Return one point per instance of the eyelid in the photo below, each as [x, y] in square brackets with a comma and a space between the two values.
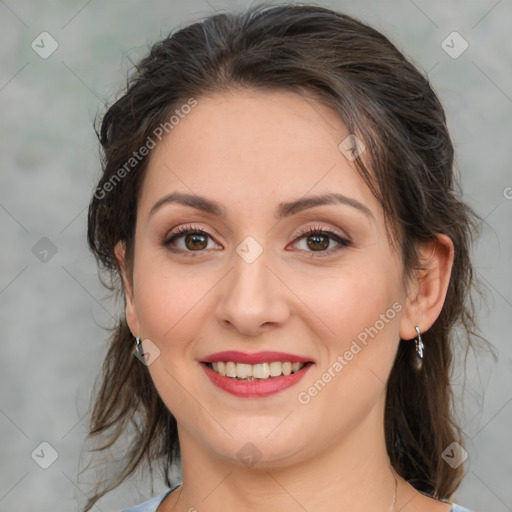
[318, 228]
[342, 240]
[182, 231]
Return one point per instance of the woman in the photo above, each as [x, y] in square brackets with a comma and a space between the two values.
[278, 206]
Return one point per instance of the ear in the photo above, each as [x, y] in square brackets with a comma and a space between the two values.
[427, 291]
[131, 311]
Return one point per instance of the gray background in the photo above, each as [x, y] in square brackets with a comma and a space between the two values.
[53, 313]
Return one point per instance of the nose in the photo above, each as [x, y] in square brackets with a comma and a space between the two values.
[252, 297]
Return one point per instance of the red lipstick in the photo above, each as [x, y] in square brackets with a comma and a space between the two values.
[257, 388]
[255, 358]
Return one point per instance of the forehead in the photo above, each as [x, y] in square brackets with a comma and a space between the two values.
[251, 146]
[249, 119]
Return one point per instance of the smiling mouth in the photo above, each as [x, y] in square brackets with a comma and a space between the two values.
[256, 372]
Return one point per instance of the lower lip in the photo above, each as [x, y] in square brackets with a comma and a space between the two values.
[255, 388]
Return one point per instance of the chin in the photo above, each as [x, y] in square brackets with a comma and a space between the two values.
[261, 448]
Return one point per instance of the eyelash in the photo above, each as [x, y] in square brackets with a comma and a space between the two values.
[316, 230]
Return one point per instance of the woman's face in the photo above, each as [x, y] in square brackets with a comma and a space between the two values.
[256, 281]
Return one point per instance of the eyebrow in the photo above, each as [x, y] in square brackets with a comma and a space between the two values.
[284, 209]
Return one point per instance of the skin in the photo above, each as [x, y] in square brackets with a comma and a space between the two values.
[249, 151]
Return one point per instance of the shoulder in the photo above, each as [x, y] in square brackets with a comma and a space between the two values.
[150, 505]
[458, 508]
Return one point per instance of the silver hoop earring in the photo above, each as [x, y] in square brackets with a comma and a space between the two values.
[418, 359]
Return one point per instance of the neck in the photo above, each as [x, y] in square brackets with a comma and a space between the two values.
[352, 474]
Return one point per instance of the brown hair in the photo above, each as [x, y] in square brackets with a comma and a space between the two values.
[381, 97]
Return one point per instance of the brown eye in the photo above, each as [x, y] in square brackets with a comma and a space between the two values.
[318, 242]
[196, 241]
[188, 241]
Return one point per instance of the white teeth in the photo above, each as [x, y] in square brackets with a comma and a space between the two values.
[230, 369]
[243, 370]
[275, 369]
[295, 367]
[260, 371]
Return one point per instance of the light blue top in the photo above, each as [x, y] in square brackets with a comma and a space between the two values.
[152, 504]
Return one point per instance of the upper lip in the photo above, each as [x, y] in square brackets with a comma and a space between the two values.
[254, 358]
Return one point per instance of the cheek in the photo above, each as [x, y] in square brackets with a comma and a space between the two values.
[351, 299]
[171, 306]
[168, 299]
[360, 306]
